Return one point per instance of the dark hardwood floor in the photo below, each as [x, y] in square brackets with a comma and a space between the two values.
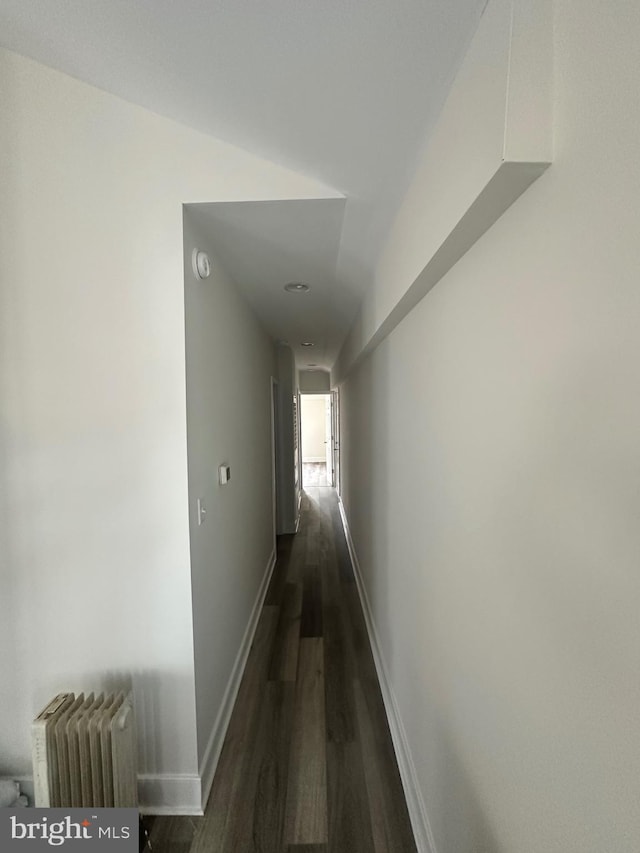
[307, 765]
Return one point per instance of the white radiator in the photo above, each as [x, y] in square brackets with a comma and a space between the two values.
[84, 752]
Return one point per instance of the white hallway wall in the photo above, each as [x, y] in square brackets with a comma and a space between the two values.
[229, 361]
[288, 476]
[94, 526]
[490, 476]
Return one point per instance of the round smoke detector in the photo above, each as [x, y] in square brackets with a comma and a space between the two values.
[201, 264]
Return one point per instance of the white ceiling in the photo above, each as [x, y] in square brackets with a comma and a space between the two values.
[266, 245]
[341, 90]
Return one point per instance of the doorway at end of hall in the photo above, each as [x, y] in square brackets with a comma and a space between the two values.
[317, 444]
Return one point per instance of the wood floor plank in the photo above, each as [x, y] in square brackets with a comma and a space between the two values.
[339, 700]
[284, 660]
[391, 828]
[330, 504]
[298, 555]
[224, 818]
[255, 670]
[358, 635]
[280, 571]
[331, 586]
[255, 817]
[259, 818]
[169, 834]
[307, 848]
[306, 808]
[312, 529]
[311, 619]
[348, 805]
[271, 767]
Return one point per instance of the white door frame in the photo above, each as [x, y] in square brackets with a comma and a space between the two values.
[328, 437]
[335, 438]
[274, 457]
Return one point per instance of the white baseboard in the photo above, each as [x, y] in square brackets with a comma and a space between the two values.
[219, 731]
[415, 803]
[158, 794]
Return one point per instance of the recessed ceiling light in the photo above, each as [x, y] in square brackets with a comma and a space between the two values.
[307, 344]
[296, 287]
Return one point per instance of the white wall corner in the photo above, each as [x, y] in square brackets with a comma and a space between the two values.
[219, 730]
[415, 802]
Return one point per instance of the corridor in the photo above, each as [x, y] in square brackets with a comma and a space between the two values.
[307, 763]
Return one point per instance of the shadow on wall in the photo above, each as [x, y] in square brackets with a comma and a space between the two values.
[147, 706]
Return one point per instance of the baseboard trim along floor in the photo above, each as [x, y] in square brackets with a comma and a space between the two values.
[159, 794]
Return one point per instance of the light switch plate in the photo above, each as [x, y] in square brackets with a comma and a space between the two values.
[224, 474]
[202, 511]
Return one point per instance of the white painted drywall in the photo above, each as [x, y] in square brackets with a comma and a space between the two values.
[313, 421]
[490, 470]
[95, 539]
[230, 361]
